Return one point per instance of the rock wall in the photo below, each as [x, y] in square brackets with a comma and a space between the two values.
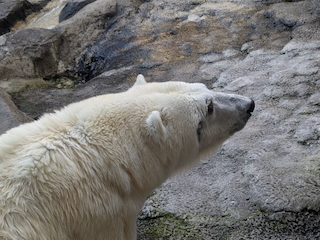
[264, 182]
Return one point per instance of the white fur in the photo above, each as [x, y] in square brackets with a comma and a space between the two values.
[140, 80]
[84, 172]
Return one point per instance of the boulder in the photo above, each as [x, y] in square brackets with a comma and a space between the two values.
[32, 53]
[90, 22]
[10, 116]
[29, 53]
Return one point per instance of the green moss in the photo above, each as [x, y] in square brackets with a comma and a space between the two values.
[183, 226]
[186, 226]
[169, 226]
[19, 85]
[34, 84]
[63, 80]
[62, 83]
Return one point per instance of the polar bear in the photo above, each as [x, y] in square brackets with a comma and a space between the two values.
[85, 171]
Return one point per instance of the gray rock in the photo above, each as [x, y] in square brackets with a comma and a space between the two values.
[265, 179]
[90, 22]
[10, 116]
[12, 11]
[72, 7]
[32, 53]
[29, 53]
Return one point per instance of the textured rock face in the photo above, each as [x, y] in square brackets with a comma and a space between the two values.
[265, 179]
[34, 53]
[12, 11]
[72, 8]
[264, 182]
[29, 53]
[10, 116]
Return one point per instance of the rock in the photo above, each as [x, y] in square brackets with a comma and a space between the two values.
[292, 15]
[47, 17]
[72, 7]
[10, 116]
[90, 22]
[265, 179]
[29, 53]
[12, 11]
[264, 182]
[32, 53]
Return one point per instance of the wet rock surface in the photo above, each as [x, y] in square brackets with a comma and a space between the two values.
[264, 183]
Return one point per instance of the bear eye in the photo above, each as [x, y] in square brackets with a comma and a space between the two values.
[210, 108]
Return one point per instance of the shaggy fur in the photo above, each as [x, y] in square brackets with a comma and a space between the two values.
[84, 172]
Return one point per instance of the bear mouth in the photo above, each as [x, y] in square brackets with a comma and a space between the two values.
[241, 123]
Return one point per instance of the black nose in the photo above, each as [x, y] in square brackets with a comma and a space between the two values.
[251, 108]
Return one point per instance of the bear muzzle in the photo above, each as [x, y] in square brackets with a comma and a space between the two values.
[245, 114]
[251, 107]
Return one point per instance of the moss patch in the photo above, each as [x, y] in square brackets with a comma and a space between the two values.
[169, 226]
[24, 85]
[63, 80]
[258, 225]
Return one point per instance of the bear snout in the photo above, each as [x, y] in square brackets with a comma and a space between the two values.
[245, 106]
[251, 107]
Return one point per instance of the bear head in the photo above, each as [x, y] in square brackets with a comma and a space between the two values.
[189, 119]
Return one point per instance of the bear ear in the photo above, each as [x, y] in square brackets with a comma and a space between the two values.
[140, 80]
[155, 126]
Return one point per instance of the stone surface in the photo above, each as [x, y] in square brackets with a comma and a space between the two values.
[10, 116]
[264, 183]
[12, 11]
[32, 53]
[72, 7]
[265, 179]
[90, 22]
[47, 17]
[29, 53]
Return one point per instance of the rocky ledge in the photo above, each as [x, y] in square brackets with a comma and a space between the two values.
[264, 183]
